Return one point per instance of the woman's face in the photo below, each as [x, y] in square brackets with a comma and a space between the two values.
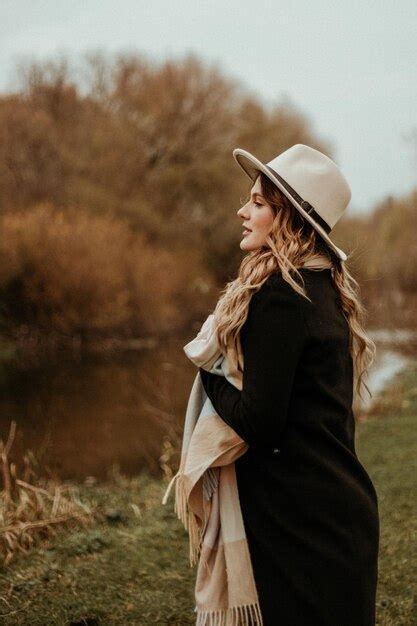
[257, 217]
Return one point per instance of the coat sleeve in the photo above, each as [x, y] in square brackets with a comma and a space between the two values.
[272, 342]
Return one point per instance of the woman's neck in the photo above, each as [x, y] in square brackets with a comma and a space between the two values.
[317, 261]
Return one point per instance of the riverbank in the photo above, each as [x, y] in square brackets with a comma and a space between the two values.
[132, 566]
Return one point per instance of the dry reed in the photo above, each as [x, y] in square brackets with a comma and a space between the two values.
[31, 507]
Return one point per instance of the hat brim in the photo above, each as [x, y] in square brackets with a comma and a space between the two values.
[252, 166]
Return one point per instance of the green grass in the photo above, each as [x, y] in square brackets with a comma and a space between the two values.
[387, 446]
[131, 569]
[125, 570]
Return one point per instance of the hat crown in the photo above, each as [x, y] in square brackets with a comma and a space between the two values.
[316, 178]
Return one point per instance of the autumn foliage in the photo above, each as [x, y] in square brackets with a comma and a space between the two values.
[118, 196]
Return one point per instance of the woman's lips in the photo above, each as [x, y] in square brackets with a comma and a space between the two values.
[246, 232]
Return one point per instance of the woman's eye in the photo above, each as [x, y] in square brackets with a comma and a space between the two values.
[257, 203]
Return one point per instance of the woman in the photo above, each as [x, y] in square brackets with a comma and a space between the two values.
[310, 509]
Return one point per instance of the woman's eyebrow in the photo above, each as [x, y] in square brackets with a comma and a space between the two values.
[257, 194]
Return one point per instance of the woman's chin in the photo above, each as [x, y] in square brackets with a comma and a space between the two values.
[244, 244]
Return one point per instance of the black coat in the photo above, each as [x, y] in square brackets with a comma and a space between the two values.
[309, 507]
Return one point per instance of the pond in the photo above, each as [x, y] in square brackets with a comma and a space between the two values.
[80, 418]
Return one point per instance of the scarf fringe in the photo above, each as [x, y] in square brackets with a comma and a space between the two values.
[210, 482]
[245, 615]
[189, 520]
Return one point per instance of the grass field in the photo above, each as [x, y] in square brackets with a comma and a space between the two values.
[132, 566]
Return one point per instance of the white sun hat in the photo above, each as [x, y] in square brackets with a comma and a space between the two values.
[310, 180]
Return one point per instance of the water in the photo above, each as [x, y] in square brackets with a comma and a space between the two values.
[82, 417]
[395, 346]
[387, 364]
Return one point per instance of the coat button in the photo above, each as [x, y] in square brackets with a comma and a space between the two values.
[276, 450]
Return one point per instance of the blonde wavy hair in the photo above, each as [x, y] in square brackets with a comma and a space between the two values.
[291, 241]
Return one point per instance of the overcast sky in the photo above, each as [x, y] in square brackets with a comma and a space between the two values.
[350, 67]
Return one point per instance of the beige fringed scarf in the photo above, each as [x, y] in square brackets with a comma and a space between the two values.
[206, 493]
